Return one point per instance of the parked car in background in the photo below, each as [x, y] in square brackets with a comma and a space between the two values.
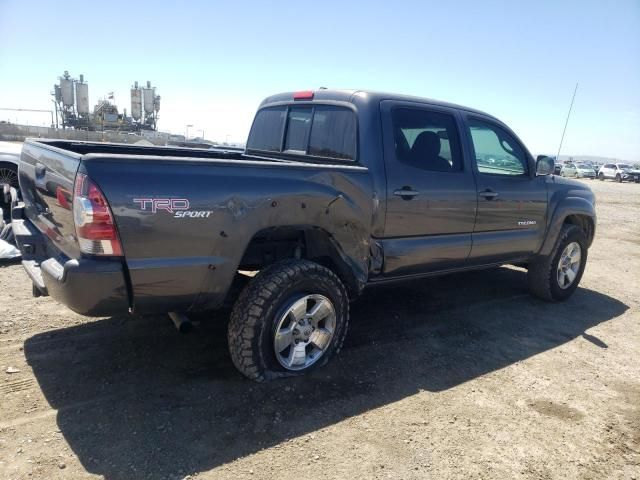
[568, 170]
[9, 158]
[557, 168]
[620, 172]
[578, 170]
[584, 170]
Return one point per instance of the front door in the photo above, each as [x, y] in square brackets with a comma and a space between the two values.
[431, 192]
[512, 200]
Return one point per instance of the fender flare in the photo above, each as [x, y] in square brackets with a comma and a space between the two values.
[567, 207]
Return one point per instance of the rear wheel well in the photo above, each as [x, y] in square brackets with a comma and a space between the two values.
[584, 222]
[311, 243]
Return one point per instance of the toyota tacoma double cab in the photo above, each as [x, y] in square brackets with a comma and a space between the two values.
[336, 191]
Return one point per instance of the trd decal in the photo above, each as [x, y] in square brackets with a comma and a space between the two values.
[179, 207]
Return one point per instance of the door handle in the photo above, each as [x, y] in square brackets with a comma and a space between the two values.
[488, 194]
[406, 193]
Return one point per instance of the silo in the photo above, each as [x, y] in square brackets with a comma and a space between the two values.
[136, 102]
[149, 94]
[157, 103]
[82, 97]
[66, 89]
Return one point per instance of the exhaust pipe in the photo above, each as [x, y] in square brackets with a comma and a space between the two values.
[180, 320]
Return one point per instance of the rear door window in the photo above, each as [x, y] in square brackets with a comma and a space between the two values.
[321, 131]
[427, 139]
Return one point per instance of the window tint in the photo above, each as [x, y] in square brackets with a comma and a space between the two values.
[266, 132]
[333, 133]
[315, 130]
[298, 125]
[496, 152]
[427, 140]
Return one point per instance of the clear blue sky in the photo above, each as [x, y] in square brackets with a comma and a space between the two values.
[214, 61]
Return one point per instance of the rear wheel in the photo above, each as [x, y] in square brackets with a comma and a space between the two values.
[601, 176]
[557, 276]
[291, 318]
[618, 178]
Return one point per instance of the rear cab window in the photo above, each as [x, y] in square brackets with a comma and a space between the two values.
[316, 132]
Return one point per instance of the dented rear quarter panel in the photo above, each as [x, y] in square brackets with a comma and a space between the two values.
[189, 263]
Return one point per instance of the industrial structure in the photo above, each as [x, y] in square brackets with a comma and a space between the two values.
[72, 108]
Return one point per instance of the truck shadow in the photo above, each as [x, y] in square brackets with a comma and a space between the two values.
[137, 400]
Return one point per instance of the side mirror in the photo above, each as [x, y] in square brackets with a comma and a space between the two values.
[544, 165]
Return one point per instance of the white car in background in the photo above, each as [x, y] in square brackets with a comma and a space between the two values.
[619, 172]
[9, 159]
[578, 170]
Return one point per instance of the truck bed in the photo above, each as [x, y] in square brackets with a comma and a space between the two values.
[85, 148]
[184, 217]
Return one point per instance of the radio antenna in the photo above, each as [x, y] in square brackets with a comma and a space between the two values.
[566, 122]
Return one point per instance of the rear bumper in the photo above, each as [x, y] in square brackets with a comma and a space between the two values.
[92, 287]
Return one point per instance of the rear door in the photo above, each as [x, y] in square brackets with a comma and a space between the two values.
[609, 170]
[512, 200]
[431, 192]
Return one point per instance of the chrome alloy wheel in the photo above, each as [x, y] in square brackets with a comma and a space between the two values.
[569, 265]
[304, 331]
[8, 177]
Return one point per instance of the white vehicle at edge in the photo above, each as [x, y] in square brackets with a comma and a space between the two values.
[619, 172]
[9, 158]
[578, 170]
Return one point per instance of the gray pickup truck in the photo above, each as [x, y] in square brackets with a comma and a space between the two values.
[336, 191]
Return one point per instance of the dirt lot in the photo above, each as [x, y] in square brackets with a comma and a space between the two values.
[464, 376]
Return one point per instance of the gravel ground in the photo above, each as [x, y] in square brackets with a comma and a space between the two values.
[464, 376]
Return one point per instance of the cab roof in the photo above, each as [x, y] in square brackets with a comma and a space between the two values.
[365, 96]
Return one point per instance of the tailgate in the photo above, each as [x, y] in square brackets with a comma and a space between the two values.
[46, 176]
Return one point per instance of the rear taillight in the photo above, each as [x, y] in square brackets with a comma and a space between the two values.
[96, 231]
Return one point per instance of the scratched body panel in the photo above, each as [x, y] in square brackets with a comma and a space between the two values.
[174, 259]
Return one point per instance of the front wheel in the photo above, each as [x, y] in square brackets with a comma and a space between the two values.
[618, 178]
[601, 177]
[291, 318]
[556, 277]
